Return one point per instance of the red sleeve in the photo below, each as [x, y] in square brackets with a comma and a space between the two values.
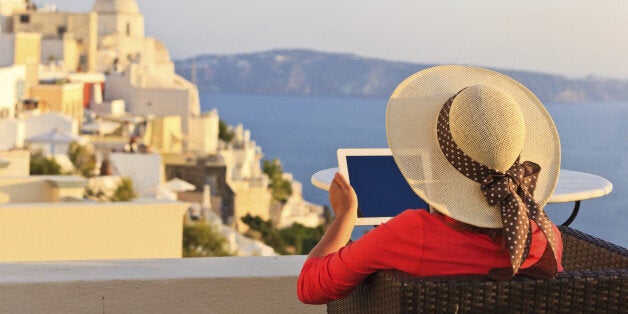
[397, 244]
[539, 243]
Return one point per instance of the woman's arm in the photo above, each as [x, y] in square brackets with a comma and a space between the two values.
[333, 268]
[345, 205]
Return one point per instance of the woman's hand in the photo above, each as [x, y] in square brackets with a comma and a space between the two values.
[345, 204]
[342, 196]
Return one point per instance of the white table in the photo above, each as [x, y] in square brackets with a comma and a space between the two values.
[573, 186]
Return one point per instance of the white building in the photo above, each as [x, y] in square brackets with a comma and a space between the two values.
[204, 136]
[140, 69]
[109, 39]
[243, 156]
[298, 210]
[13, 134]
[12, 89]
[22, 49]
[120, 33]
[7, 8]
[145, 170]
[47, 122]
[146, 92]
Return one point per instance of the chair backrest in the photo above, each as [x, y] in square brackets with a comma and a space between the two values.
[595, 280]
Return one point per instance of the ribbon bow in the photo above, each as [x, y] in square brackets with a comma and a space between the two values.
[513, 191]
[519, 180]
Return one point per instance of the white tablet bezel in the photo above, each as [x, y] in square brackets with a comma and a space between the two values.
[342, 154]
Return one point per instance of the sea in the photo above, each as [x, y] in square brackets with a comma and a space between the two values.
[304, 132]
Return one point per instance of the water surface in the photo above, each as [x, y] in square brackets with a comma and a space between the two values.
[304, 132]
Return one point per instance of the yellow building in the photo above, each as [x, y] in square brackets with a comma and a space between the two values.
[251, 198]
[68, 29]
[65, 50]
[18, 163]
[42, 189]
[65, 98]
[44, 218]
[204, 138]
[22, 49]
[164, 135]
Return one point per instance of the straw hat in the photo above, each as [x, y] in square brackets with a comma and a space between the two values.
[493, 120]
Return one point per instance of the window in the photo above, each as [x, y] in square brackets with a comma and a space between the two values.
[128, 29]
[25, 18]
[30, 104]
[61, 30]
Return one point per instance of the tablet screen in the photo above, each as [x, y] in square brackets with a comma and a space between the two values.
[380, 187]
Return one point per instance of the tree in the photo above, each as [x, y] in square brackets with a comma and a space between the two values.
[201, 240]
[224, 132]
[281, 189]
[42, 165]
[83, 159]
[269, 234]
[125, 191]
[296, 239]
[302, 238]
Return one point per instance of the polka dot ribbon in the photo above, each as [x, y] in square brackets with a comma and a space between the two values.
[513, 191]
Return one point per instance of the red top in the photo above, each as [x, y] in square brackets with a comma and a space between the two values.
[415, 242]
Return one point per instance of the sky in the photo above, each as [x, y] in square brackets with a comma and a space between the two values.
[575, 38]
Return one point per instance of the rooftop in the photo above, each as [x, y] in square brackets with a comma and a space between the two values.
[115, 6]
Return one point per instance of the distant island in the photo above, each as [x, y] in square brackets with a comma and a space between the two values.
[308, 72]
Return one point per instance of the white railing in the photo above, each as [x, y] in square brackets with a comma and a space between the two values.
[198, 285]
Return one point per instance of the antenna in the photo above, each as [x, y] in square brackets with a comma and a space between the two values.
[193, 72]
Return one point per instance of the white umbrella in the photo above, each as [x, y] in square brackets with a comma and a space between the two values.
[100, 127]
[56, 136]
[178, 185]
[162, 193]
[132, 119]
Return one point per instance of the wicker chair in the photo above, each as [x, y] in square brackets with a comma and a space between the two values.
[595, 280]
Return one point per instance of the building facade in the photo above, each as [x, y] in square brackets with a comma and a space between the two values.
[66, 98]
[75, 31]
[22, 49]
[12, 89]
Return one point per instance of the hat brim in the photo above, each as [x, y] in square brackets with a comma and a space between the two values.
[411, 118]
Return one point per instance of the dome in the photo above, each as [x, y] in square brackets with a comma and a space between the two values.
[115, 6]
[161, 51]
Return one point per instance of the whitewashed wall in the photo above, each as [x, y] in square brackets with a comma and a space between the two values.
[146, 170]
[12, 134]
[10, 78]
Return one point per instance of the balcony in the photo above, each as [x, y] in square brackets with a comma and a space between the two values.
[214, 285]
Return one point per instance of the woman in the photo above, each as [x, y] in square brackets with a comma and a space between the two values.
[482, 150]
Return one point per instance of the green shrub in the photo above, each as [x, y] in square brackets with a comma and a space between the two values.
[83, 159]
[125, 191]
[201, 240]
[42, 165]
[302, 238]
[224, 133]
[280, 188]
[296, 239]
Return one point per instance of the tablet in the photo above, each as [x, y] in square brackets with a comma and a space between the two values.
[381, 189]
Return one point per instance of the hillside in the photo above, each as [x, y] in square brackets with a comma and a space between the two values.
[307, 72]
